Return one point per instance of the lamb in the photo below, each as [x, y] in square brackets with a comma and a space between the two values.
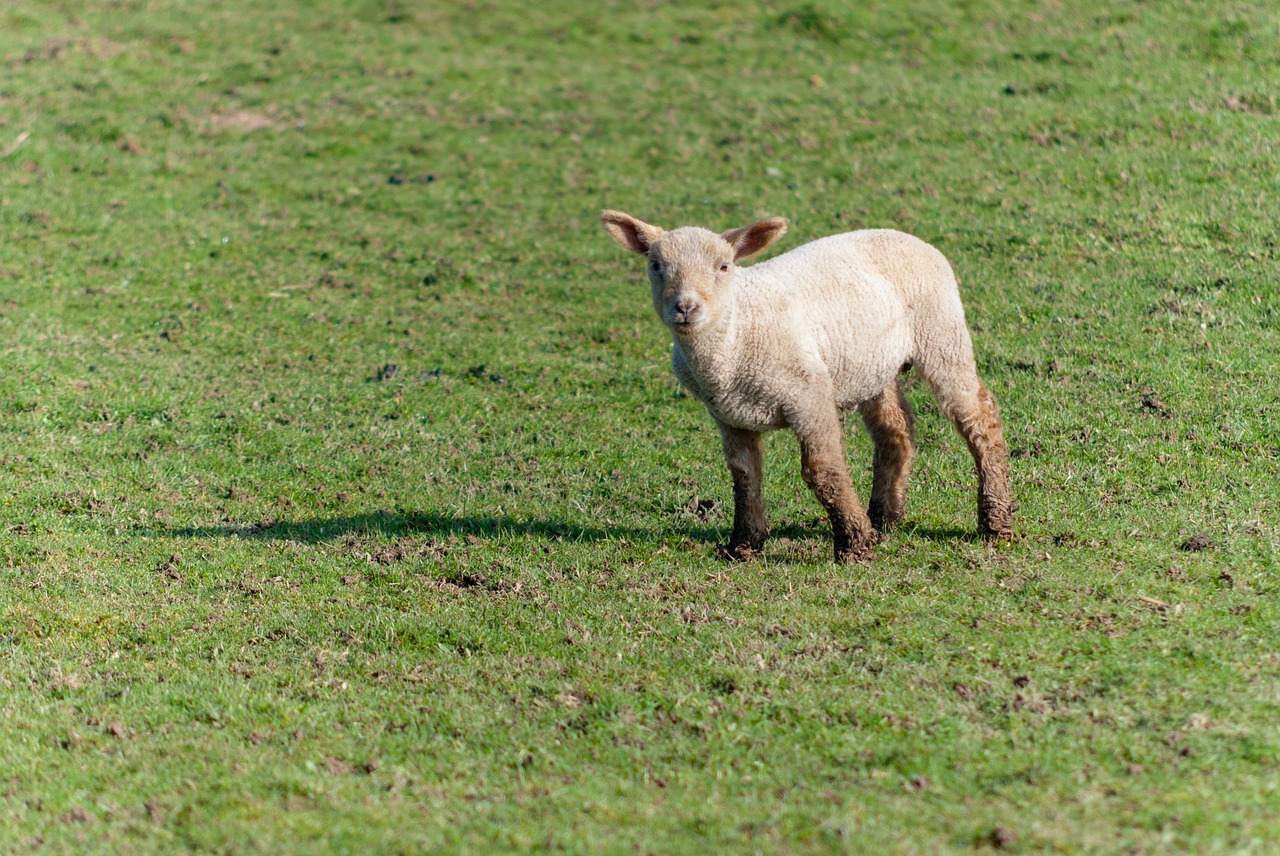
[789, 342]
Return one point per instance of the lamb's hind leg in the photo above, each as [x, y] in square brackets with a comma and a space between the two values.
[826, 473]
[892, 428]
[744, 454]
[972, 409]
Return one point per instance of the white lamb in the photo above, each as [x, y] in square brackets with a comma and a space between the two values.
[789, 342]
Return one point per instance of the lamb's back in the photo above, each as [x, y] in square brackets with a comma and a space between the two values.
[846, 302]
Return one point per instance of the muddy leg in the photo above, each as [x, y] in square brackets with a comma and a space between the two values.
[826, 473]
[744, 453]
[892, 427]
[978, 419]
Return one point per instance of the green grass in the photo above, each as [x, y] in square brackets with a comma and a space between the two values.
[264, 592]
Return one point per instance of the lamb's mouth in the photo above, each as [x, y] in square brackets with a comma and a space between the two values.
[684, 328]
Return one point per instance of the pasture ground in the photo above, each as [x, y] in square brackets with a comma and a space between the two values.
[348, 504]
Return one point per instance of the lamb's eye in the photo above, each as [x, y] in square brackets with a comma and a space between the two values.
[724, 268]
[655, 267]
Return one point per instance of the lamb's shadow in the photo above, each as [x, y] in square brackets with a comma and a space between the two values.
[389, 524]
[396, 525]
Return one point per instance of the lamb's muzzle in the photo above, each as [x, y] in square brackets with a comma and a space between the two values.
[685, 314]
[792, 341]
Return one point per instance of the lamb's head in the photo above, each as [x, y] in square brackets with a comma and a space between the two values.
[691, 269]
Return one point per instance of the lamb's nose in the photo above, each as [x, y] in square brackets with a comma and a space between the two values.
[685, 307]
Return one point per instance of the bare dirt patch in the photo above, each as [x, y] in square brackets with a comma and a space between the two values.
[240, 120]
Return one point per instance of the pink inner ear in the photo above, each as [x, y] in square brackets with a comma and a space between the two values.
[749, 240]
[629, 232]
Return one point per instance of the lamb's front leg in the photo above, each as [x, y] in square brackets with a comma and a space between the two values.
[826, 473]
[744, 453]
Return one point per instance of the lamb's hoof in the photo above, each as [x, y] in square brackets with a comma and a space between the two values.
[858, 551]
[994, 529]
[739, 552]
[995, 521]
[883, 522]
[997, 536]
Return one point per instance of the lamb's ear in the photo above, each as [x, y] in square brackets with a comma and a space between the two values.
[750, 240]
[629, 232]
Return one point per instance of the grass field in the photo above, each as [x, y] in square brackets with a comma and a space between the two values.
[348, 503]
